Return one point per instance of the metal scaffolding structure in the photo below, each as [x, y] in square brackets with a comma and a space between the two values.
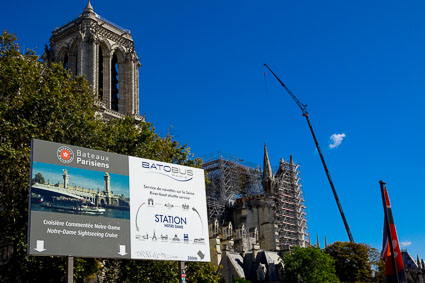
[230, 178]
[290, 208]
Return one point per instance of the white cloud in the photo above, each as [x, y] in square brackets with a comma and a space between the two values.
[336, 140]
[405, 244]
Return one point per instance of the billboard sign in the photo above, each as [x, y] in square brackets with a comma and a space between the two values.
[90, 203]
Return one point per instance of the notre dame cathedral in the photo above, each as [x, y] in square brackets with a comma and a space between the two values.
[104, 53]
[254, 214]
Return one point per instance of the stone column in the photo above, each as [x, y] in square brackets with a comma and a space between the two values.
[136, 88]
[107, 80]
[108, 187]
[131, 86]
[79, 59]
[89, 63]
[121, 85]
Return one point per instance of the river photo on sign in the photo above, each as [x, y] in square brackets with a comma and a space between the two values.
[61, 189]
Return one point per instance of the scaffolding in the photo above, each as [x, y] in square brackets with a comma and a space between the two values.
[229, 178]
[290, 208]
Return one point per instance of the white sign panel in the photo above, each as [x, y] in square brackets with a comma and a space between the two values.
[168, 213]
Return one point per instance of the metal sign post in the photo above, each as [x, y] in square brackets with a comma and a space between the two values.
[70, 273]
[182, 274]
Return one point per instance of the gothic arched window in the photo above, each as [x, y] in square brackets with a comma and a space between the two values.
[65, 62]
[73, 58]
[114, 83]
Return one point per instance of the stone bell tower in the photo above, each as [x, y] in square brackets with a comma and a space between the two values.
[104, 53]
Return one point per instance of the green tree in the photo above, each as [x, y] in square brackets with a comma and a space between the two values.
[353, 262]
[39, 178]
[308, 265]
[35, 101]
[47, 102]
[202, 272]
[140, 271]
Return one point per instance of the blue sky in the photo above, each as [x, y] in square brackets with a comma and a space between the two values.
[359, 65]
[88, 179]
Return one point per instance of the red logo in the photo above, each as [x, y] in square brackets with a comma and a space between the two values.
[65, 154]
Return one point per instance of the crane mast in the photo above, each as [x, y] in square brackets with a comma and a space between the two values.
[303, 108]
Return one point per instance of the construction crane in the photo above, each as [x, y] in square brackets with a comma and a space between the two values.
[303, 108]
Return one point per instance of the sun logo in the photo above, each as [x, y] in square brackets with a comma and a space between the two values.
[65, 154]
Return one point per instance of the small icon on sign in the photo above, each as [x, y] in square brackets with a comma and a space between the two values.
[40, 246]
[164, 238]
[150, 201]
[65, 154]
[199, 240]
[201, 255]
[176, 239]
[122, 250]
[186, 238]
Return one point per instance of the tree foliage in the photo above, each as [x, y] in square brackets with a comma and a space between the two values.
[309, 265]
[204, 272]
[47, 102]
[39, 178]
[140, 271]
[353, 262]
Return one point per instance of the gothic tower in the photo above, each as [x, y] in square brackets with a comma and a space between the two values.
[104, 53]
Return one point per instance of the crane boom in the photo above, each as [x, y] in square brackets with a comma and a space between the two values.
[303, 108]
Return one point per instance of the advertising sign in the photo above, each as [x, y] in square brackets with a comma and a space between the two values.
[90, 203]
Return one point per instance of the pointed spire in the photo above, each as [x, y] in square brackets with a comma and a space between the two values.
[267, 169]
[326, 243]
[268, 178]
[318, 243]
[88, 8]
[418, 261]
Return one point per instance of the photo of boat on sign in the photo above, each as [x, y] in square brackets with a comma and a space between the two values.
[55, 188]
